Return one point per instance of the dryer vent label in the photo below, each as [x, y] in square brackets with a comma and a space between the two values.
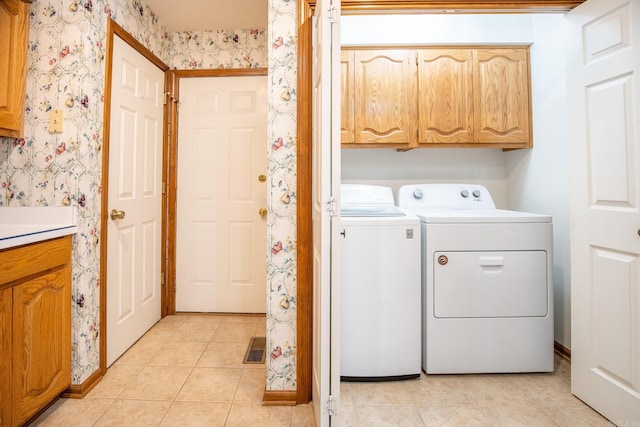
[409, 233]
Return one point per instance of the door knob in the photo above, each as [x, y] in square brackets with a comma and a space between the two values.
[262, 178]
[116, 214]
[262, 212]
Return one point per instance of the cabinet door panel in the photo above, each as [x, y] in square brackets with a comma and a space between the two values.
[445, 88]
[41, 341]
[5, 356]
[385, 96]
[347, 82]
[14, 31]
[501, 86]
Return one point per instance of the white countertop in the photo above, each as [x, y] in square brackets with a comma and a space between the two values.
[24, 225]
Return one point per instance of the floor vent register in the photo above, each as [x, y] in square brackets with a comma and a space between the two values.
[255, 350]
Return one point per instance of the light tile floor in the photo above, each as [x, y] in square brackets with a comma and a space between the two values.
[187, 371]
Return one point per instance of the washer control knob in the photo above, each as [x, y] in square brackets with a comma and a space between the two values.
[464, 193]
[476, 193]
[418, 194]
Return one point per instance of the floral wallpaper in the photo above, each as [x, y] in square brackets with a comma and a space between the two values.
[281, 219]
[217, 49]
[66, 71]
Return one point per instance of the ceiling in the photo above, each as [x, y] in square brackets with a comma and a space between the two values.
[197, 15]
[211, 15]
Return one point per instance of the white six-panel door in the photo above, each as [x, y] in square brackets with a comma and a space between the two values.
[604, 109]
[135, 188]
[221, 234]
[325, 212]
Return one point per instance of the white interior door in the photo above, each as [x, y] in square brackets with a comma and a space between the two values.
[135, 188]
[221, 234]
[604, 106]
[325, 211]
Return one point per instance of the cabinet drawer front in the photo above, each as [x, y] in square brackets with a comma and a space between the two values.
[24, 261]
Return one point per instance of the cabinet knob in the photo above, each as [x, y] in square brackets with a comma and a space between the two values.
[262, 212]
[262, 178]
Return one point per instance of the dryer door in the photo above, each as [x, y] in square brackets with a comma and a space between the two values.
[490, 284]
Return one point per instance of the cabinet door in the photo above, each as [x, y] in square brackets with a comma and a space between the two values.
[41, 341]
[5, 356]
[385, 96]
[347, 82]
[445, 96]
[502, 96]
[14, 31]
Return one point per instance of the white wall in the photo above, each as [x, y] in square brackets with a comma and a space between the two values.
[530, 180]
[386, 166]
[538, 179]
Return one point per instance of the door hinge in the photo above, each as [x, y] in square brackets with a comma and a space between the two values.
[333, 15]
[162, 278]
[332, 207]
[332, 407]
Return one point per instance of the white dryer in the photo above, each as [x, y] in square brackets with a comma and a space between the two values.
[487, 282]
[380, 324]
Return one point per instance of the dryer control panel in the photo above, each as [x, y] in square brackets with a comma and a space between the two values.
[445, 196]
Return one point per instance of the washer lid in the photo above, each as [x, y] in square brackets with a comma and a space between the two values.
[376, 211]
[451, 216]
[352, 195]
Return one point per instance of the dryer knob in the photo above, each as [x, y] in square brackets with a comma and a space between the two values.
[418, 194]
[464, 193]
[476, 193]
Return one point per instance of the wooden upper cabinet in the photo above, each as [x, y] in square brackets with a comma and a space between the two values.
[384, 97]
[436, 96]
[347, 82]
[502, 97]
[445, 96]
[14, 31]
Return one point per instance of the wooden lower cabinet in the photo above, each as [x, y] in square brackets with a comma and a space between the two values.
[6, 304]
[35, 318]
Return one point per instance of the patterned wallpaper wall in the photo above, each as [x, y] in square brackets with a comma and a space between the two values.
[66, 71]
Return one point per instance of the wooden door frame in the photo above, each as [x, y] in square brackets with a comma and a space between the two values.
[304, 332]
[172, 164]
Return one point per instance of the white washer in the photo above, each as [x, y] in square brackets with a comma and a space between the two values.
[487, 282]
[380, 324]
